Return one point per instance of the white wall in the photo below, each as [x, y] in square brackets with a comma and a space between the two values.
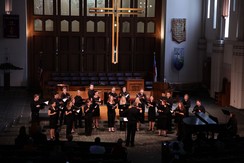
[15, 49]
[191, 10]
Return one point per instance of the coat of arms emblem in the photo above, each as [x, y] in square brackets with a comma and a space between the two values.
[179, 30]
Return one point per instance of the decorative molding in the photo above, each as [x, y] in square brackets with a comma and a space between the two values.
[218, 46]
[238, 49]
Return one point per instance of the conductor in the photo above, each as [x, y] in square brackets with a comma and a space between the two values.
[132, 116]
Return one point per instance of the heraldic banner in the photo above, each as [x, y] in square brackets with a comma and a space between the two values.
[178, 58]
[178, 29]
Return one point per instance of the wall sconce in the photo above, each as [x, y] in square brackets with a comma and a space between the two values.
[8, 6]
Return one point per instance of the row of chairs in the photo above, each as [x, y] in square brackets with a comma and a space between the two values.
[103, 79]
[93, 78]
[148, 84]
[86, 83]
[99, 74]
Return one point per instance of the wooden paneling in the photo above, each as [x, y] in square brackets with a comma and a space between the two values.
[150, 44]
[88, 62]
[126, 59]
[159, 88]
[63, 62]
[91, 51]
[64, 43]
[100, 44]
[75, 44]
[90, 44]
[100, 60]
[138, 62]
[125, 44]
[140, 45]
[74, 62]
[135, 84]
[44, 49]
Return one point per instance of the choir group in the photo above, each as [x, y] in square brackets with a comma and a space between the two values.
[69, 110]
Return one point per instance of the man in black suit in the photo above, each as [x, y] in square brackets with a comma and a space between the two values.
[132, 116]
[198, 108]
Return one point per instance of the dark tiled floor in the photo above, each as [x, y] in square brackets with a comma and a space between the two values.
[15, 110]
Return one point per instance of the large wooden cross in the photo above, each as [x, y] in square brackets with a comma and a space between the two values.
[116, 11]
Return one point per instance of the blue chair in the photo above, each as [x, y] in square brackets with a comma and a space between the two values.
[110, 74]
[113, 83]
[119, 74]
[101, 74]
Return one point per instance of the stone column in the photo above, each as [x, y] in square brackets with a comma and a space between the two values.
[217, 67]
[202, 47]
[237, 76]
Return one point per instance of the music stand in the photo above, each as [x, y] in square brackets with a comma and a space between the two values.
[125, 120]
[226, 113]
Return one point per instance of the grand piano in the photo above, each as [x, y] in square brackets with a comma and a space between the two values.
[202, 122]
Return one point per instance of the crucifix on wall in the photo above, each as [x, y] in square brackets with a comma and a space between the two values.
[115, 11]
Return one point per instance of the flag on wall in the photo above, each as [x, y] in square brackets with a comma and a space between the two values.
[155, 73]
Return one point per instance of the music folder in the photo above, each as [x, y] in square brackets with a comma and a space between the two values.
[65, 99]
[46, 102]
[125, 119]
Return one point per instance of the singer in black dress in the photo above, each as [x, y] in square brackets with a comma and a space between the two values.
[88, 110]
[96, 102]
[52, 113]
[143, 98]
[58, 105]
[169, 102]
[180, 113]
[111, 105]
[69, 118]
[138, 106]
[163, 115]
[151, 113]
[123, 106]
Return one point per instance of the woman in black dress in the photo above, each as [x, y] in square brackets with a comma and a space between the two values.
[111, 105]
[96, 106]
[139, 106]
[88, 110]
[180, 113]
[69, 118]
[123, 106]
[163, 114]
[52, 119]
[151, 113]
